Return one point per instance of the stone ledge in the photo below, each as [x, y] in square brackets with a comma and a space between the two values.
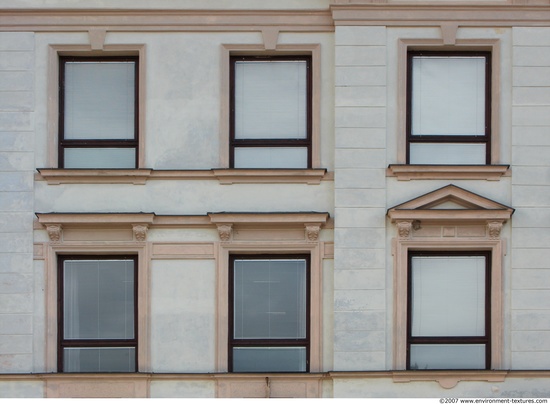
[57, 176]
[407, 172]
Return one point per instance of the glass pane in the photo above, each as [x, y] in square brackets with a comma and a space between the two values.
[271, 359]
[270, 157]
[119, 359]
[463, 356]
[100, 158]
[270, 299]
[447, 153]
[448, 296]
[98, 299]
[270, 99]
[448, 95]
[99, 100]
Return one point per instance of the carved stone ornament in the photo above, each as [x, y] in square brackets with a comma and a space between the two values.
[140, 231]
[494, 229]
[312, 232]
[404, 230]
[225, 231]
[54, 232]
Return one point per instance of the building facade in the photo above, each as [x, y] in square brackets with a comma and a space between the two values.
[312, 198]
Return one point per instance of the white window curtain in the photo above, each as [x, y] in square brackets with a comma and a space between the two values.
[99, 100]
[270, 299]
[270, 99]
[448, 296]
[98, 299]
[448, 95]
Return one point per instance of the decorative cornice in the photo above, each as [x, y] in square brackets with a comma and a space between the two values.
[83, 219]
[469, 207]
[163, 20]
[479, 14]
[311, 222]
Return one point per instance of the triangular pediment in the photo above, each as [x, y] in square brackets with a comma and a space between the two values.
[450, 202]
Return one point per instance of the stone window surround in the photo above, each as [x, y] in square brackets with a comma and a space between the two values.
[240, 233]
[224, 175]
[448, 42]
[421, 226]
[96, 48]
[271, 48]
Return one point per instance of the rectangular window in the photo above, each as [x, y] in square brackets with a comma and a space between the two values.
[449, 108]
[270, 112]
[448, 310]
[98, 112]
[269, 313]
[97, 314]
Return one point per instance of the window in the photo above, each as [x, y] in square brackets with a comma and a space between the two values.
[98, 112]
[270, 112]
[448, 310]
[269, 313]
[97, 318]
[449, 108]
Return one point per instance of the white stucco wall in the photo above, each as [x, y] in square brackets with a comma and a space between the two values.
[16, 201]
[530, 278]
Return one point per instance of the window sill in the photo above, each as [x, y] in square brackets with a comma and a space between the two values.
[406, 172]
[57, 176]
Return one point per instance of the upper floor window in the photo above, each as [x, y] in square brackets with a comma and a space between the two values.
[448, 108]
[97, 314]
[449, 310]
[270, 112]
[269, 313]
[98, 112]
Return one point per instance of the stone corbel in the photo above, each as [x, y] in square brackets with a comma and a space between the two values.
[493, 229]
[140, 231]
[225, 231]
[312, 231]
[55, 232]
[404, 229]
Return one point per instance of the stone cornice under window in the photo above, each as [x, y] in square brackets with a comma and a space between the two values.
[407, 172]
[56, 176]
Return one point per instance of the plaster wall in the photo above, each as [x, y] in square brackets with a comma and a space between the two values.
[183, 316]
[183, 73]
[381, 387]
[360, 199]
[530, 278]
[16, 201]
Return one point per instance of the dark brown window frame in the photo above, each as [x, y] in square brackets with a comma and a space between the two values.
[96, 143]
[95, 343]
[299, 342]
[486, 339]
[274, 142]
[486, 139]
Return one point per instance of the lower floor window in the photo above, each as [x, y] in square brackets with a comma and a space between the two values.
[269, 313]
[97, 314]
[449, 310]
